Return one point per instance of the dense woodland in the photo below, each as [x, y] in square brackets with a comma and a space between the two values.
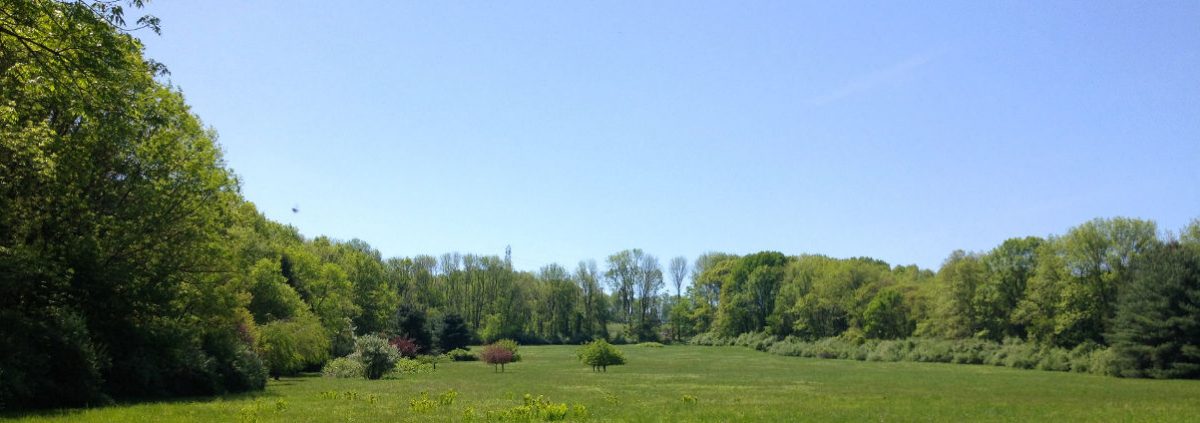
[131, 266]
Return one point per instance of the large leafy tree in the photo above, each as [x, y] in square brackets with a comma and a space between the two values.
[887, 316]
[289, 345]
[748, 293]
[592, 300]
[113, 202]
[957, 310]
[1072, 297]
[1009, 268]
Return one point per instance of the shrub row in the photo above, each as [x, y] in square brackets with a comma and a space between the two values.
[1015, 353]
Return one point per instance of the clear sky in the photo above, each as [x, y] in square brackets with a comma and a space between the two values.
[572, 130]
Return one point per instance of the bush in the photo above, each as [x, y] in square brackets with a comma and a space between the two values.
[376, 355]
[510, 345]
[761, 341]
[1104, 362]
[290, 345]
[344, 367]
[405, 346]
[246, 371]
[1013, 353]
[888, 351]
[710, 339]
[43, 354]
[1056, 359]
[600, 354]
[650, 345]
[460, 354]
[1081, 356]
[408, 366]
[496, 355]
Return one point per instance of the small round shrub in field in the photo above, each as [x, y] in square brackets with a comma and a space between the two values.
[376, 355]
[650, 345]
[497, 355]
[600, 354]
[459, 354]
[510, 345]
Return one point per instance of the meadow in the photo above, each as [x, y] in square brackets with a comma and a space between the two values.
[689, 383]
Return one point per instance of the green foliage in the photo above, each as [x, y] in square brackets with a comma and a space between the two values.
[511, 346]
[454, 333]
[288, 346]
[957, 309]
[650, 344]
[44, 355]
[499, 353]
[1157, 329]
[270, 296]
[1012, 353]
[461, 354]
[497, 328]
[344, 367]
[373, 292]
[635, 279]
[113, 208]
[342, 343]
[376, 355]
[410, 324]
[599, 354]
[431, 360]
[1097, 256]
[748, 293]
[247, 371]
[423, 404]
[886, 317]
[1009, 268]
[408, 367]
[537, 409]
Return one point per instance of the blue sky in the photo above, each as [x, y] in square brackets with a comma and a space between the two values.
[572, 130]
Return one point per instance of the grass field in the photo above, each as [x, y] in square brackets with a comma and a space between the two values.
[728, 384]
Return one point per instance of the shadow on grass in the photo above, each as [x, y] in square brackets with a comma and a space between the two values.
[134, 402]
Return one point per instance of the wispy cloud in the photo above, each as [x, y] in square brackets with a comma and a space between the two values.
[874, 79]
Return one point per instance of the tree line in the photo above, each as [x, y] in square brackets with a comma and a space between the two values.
[132, 267]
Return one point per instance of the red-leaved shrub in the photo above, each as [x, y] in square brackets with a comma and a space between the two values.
[406, 346]
[496, 355]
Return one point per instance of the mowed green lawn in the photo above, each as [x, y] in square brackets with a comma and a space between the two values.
[729, 384]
